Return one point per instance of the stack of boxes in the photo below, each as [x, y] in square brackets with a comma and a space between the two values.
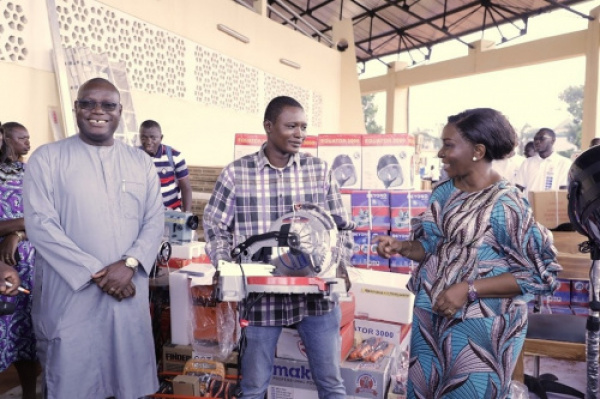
[377, 213]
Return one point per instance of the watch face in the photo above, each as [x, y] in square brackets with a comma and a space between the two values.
[131, 262]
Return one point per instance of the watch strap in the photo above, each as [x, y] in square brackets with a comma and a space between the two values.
[472, 294]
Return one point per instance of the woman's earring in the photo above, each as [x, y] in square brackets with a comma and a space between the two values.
[474, 159]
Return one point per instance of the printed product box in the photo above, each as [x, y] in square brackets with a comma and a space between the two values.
[247, 143]
[343, 154]
[370, 210]
[388, 161]
[382, 296]
[397, 333]
[347, 202]
[406, 205]
[580, 293]
[310, 146]
[562, 295]
[400, 264]
[549, 207]
[290, 345]
[175, 356]
[365, 251]
[292, 379]
[366, 379]
[193, 251]
[188, 385]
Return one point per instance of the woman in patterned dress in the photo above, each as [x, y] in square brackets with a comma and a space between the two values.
[481, 257]
[17, 340]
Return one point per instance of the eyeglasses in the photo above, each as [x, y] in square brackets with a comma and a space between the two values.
[91, 105]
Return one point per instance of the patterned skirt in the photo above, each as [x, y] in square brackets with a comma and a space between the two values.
[465, 359]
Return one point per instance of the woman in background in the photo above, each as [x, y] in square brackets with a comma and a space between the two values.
[481, 257]
[17, 339]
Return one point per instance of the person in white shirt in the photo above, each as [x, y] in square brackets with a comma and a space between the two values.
[546, 170]
[509, 166]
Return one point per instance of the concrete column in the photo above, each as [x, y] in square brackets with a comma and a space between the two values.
[260, 6]
[590, 126]
[396, 100]
[352, 118]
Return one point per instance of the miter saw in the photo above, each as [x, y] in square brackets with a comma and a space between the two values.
[297, 256]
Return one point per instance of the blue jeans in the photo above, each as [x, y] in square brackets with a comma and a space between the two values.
[321, 337]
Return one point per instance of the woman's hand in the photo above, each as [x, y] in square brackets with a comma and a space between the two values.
[8, 249]
[451, 299]
[10, 274]
[388, 246]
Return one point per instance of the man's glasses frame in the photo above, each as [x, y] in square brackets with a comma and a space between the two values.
[91, 105]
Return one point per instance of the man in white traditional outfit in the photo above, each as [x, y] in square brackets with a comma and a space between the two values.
[94, 212]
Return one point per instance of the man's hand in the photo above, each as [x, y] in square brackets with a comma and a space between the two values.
[115, 280]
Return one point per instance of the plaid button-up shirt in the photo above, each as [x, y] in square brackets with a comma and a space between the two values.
[249, 195]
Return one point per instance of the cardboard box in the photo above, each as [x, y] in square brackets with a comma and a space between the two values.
[290, 345]
[366, 379]
[247, 143]
[567, 242]
[310, 146]
[406, 205]
[291, 379]
[175, 356]
[397, 333]
[562, 295]
[370, 210]
[400, 264]
[364, 253]
[343, 154]
[347, 308]
[388, 161]
[550, 208]
[580, 293]
[382, 296]
[188, 385]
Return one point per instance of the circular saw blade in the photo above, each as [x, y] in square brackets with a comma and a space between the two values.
[313, 236]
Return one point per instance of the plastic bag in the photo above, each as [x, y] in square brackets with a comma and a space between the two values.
[214, 328]
[518, 390]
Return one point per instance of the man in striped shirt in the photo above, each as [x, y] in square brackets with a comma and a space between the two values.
[172, 171]
[250, 194]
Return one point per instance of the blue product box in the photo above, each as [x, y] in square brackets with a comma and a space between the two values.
[365, 251]
[406, 205]
[580, 293]
[562, 295]
[370, 210]
[400, 264]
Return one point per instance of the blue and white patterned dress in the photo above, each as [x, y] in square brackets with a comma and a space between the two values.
[475, 236]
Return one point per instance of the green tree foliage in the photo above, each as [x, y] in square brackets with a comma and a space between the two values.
[369, 112]
[573, 97]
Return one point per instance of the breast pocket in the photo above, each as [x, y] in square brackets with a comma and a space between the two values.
[132, 199]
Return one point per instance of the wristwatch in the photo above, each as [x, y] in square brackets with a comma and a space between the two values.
[131, 263]
[19, 234]
[472, 294]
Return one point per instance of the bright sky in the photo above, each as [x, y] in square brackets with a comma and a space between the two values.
[525, 95]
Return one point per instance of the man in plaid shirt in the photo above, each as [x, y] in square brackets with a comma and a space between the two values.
[250, 194]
